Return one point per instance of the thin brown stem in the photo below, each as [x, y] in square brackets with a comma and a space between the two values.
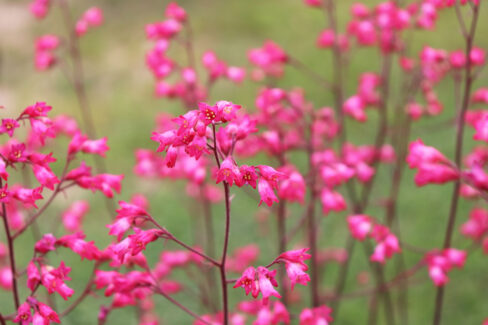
[300, 66]
[225, 301]
[468, 81]
[83, 295]
[179, 305]
[11, 253]
[281, 229]
[191, 249]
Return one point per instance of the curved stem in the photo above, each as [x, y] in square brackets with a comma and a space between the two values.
[179, 305]
[191, 249]
[85, 293]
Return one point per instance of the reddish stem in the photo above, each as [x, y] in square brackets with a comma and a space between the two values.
[224, 254]
[468, 79]
[10, 244]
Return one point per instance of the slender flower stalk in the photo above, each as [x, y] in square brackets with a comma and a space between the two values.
[281, 230]
[468, 83]
[11, 253]
[78, 83]
[225, 299]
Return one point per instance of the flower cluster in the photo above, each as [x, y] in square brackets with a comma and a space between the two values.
[432, 166]
[91, 18]
[441, 263]
[476, 227]
[262, 280]
[188, 88]
[362, 226]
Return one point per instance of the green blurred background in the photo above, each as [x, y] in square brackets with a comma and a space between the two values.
[120, 89]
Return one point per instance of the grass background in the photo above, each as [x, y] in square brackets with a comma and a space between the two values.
[121, 94]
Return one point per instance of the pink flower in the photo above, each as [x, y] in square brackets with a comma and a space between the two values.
[229, 172]
[77, 244]
[98, 147]
[227, 110]
[36, 110]
[313, 3]
[33, 276]
[45, 176]
[296, 274]
[45, 244]
[336, 174]
[209, 114]
[27, 196]
[248, 175]
[441, 263]
[248, 282]
[480, 96]
[316, 316]
[73, 216]
[420, 153]
[24, 316]
[360, 226]
[141, 238]
[332, 201]
[293, 187]
[354, 107]
[48, 314]
[236, 74]
[359, 10]
[481, 127]
[415, 110]
[174, 11]
[266, 192]
[326, 39]
[39, 8]
[271, 175]
[270, 58]
[47, 43]
[477, 56]
[6, 278]
[93, 17]
[387, 244]
[435, 174]
[8, 126]
[266, 283]
[477, 225]
[53, 280]
[457, 59]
